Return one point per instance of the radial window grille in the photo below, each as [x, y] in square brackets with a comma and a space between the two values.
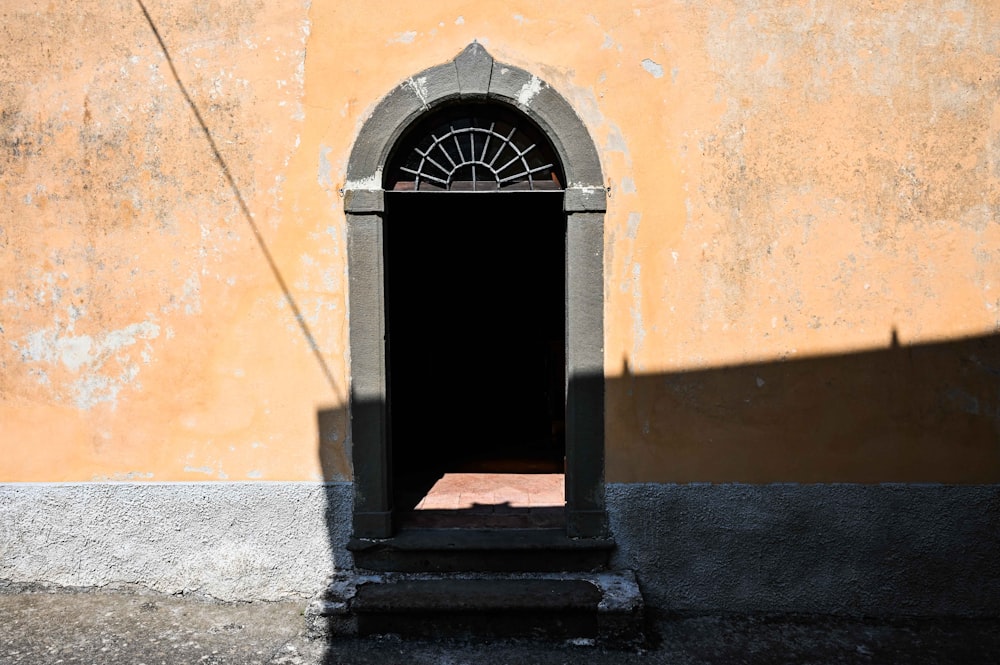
[476, 153]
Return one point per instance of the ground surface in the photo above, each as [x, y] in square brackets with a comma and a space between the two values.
[44, 626]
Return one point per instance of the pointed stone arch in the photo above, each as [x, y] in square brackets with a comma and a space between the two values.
[473, 76]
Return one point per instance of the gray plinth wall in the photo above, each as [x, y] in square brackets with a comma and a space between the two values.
[877, 550]
[226, 540]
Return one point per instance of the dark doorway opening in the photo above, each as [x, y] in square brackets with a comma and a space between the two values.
[475, 336]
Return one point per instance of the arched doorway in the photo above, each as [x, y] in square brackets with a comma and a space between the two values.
[474, 237]
[476, 288]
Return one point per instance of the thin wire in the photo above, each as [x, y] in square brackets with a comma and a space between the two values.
[293, 305]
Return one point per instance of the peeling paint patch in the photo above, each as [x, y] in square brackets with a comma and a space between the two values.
[460, 20]
[192, 295]
[86, 357]
[638, 327]
[403, 37]
[653, 68]
[529, 90]
[615, 141]
[199, 469]
[48, 346]
[419, 86]
[369, 184]
[123, 477]
[323, 175]
[633, 225]
[91, 390]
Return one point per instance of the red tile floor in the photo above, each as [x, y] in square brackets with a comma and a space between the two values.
[492, 500]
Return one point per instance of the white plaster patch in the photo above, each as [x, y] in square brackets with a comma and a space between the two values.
[633, 225]
[419, 86]
[628, 185]
[638, 327]
[192, 295]
[654, 68]
[615, 141]
[87, 358]
[460, 20]
[73, 351]
[331, 280]
[323, 175]
[124, 477]
[403, 37]
[93, 389]
[371, 183]
[529, 90]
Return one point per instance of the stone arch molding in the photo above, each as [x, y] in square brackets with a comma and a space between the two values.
[474, 76]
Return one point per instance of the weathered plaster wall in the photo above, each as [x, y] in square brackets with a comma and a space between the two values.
[144, 333]
[810, 180]
[801, 273]
[786, 179]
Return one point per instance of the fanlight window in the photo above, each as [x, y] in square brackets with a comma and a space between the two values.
[475, 149]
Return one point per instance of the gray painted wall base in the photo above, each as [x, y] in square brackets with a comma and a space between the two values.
[232, 541]
[876, 550]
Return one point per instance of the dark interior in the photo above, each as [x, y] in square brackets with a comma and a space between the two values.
[475, 317]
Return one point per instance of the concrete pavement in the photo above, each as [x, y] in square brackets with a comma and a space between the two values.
[130, 627]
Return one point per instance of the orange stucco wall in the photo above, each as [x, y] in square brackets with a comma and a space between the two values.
[788, 180]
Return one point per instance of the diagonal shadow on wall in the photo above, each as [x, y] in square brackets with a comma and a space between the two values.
[241, 201]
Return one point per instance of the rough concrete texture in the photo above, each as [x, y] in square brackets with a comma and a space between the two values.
[885, 550]
[231, 541]
[128, 629]
[833, 549]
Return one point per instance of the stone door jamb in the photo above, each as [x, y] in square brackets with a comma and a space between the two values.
[473, 76]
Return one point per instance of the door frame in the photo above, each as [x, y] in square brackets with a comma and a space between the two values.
[474, 76]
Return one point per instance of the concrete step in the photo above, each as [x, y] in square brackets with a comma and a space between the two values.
[604, 607]
[497, 550]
